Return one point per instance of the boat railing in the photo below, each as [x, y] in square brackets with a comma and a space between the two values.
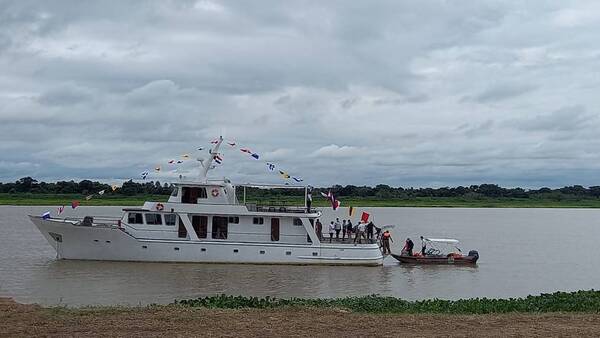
[96, 221]
[267, 207]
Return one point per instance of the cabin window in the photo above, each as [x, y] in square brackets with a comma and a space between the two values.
[170, 219]
[219, 227]
[153, 219]
[258, 220]
[200, 225]
[135, 218]
[181, 231]
[234, 220]
[274, 229]
[175, 192]
[298, 221]
[192, 194]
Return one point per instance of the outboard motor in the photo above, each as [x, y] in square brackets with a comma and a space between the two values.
[474, 253]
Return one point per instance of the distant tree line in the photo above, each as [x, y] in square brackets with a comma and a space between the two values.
[85, 187]
[129, 188]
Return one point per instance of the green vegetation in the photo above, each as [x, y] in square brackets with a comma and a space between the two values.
[28, 191]
[580, 301]
[447, 202]
[66, 199]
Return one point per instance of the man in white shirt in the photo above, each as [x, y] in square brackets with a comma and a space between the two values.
[360, 232]
[338, 228]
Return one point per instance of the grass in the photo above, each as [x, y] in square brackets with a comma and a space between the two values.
[579, 301]
[447, 202]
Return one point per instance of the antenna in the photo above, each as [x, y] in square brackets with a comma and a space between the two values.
[206, 164]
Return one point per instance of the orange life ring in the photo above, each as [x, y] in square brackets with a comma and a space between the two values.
[214, 192]
[160, 207]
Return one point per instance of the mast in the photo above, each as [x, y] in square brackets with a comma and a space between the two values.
[206, 165]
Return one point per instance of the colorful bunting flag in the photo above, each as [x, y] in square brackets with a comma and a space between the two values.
[284, 174]
[297, 179]
[157, 168]
[179, 162]
[244, 150]
[74, 204]
[101, 192]
[231, 144]
[255, 155]
[144, 175]
[61, 209]
[46, 215]
[171, 161]
[88, 197]
[271, 166]
[114, 187]
[185, 156]
[218, 159]
[201, 148]
[214, 142]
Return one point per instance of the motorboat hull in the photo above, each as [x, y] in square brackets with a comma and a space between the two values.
[73, 241]
[450, 259]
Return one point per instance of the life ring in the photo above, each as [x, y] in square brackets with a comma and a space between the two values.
[160, 207]
[214, 192]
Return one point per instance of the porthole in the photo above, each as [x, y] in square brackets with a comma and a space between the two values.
[95, 240]
[144, 247]
[107, 241]
[262, 252]
[203, 249]
[176, 248]
[236, 250]
[315, 253]
[288, 253]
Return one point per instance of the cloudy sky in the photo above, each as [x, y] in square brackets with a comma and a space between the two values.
[406, 93]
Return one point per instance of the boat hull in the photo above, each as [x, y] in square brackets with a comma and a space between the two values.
[463, 260]
[72, 241]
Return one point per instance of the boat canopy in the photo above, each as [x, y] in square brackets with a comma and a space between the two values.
[442, 240]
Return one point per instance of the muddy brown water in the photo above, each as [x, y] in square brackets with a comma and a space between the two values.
[523, 251]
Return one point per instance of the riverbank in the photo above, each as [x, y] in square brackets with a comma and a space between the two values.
[445, 202]
[179, 320]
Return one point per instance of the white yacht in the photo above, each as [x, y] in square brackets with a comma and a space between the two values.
[204, 222]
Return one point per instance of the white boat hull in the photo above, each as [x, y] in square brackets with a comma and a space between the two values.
[72, 241]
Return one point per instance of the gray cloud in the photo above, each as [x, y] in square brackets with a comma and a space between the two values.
[336, 92]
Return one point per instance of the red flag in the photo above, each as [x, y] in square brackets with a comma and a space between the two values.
[364, 217]
[74, 204]
[244, 150]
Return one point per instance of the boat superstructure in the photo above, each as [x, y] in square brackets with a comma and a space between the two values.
[203, 221]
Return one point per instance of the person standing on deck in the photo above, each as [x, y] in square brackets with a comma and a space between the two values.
[338, 228]
[423, 246]
[344, 230]
[360, 233]
[385, 239]
[319, 229]
[349, 229]
[370, 228]
[331, 231]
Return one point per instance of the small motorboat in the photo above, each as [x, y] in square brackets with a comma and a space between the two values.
[439, 251]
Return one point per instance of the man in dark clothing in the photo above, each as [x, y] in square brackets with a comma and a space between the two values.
[408, 247]
[423, 246]
[370, 228]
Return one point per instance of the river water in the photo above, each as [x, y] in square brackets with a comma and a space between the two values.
[522, 252]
